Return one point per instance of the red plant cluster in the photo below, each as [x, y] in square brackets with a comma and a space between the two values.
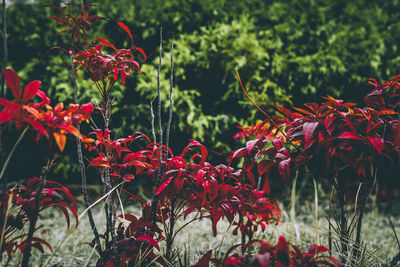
[215, 192]
[116, 156]
[281, 255]
[262, 129]
[17, 207]
[336, 135]
[132, 238]
[105, 69]
[41, 117]
[74, 26]
[194, 186]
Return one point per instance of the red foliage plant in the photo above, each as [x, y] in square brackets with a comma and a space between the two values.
[41, 117]
[212, 192]
[105, 69]
[74, 26]
[17, 206]
[338, 136]
[280, 255]
[187, 187]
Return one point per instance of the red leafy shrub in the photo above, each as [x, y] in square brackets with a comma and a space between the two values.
[17, 206]
[115, 156]
[106, 68]
[52, 123]
[74, 26]
[268, 255]
[336, 135]
[134, 243]
[214, 192]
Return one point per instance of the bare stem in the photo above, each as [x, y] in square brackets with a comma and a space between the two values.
[154, 201]
[5, 48]
[170, 102]
[3, 170]
[170, 234]
[3, 91]
[33, 220]
[83, 169]
[153, 131]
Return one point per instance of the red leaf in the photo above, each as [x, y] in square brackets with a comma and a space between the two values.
[251, 144]
[314, 249]
[284, 169]
[105, 42]
[128, 177]
[164, 185]
[87, 107]
[100, 161]
[203, 149]
[263, 260]
[148, 239]
[285, 111]
[142, 52]
[328, 123]
[204, 261]
[60, 139]
[308, 130]
[376, 142]
[31, 90]
[264, 166]
[59, 20]
[313, 106]
[123, 77]
[123, 26]
[5, 116]
[278, 143]
[349, 135]
[12, 80]
[231, 261]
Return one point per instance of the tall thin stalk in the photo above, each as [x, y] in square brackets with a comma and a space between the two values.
[5, 47]
[3, 170]
[32, 222]
[169, 237]
[361, 211]
[83, 169]
[170, 102]
[3, 91]
[154, 201]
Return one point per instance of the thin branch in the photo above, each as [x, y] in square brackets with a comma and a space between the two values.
[154, 201]
[5, 47]
[265, 114]
[32, 222]
[82, 167]
[3, 91]
[153, 131]
[170, 102]
[395, 234]
[3, 170]
[396, 259]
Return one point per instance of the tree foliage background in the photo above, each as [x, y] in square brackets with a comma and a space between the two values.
[286, 51]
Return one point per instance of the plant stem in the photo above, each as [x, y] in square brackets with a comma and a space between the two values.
[5, 48]
[153, 131]
[170, 102]
[154, 201]
[7, 211]
[361, 210]
[344, 238]
[33, 220]
[170, 234]
[3, 170]
[83, 169]
[110, 206]
[3, 91]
